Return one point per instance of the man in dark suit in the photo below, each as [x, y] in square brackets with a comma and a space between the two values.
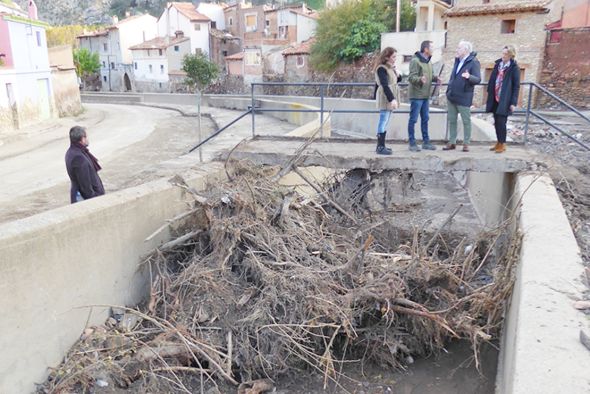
[82, 167]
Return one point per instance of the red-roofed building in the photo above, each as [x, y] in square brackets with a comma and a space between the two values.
[297, 61]
[112, 45]
[156, 60]
[184, 17]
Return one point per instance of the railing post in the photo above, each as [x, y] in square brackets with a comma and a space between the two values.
[253, 111]
[528, 113]
[321, 111]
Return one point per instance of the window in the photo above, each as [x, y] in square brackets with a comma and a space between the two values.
[508, 26]
[160, 85]
[161, 69]
[104, 63]
[176, 48]
[112, 65]
[300, 61]
[251, 22]
[38, 34]
[224, 53]
[160, 52]
[151, 68]
[407, 58]
[198, 51]
[231, 21]
[135, 65]
[486, 1]
[267, 22]
[253, 58]
[197, 26]
[214, 25]
[104, 46]
[104, 78]
[149, 52]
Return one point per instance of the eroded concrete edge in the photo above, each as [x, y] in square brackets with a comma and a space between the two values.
[541, 350]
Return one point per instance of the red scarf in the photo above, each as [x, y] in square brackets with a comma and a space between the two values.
[89, 155]
[499, 79]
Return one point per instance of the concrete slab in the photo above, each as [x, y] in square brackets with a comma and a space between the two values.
[348, 154]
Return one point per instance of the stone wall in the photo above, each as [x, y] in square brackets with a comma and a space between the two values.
[66, 92]
[566, 69]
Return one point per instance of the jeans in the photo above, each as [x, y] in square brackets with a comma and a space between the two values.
[418, 106]
[465, 112]
[384, 116]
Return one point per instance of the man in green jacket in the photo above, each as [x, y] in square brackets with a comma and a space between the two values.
[421, 79]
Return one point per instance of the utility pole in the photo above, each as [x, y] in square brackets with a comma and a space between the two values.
[397, 16]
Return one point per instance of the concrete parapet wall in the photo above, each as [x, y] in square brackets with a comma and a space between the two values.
[56, 264]
[541, 351]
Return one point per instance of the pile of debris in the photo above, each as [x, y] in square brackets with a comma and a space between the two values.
[262, 281]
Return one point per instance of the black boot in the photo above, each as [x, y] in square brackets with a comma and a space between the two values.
[381, 149]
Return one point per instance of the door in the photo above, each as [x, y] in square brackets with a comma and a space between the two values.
[127, 82]
[43, 99]
[12, 103]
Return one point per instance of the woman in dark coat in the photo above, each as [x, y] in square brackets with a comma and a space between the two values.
[503, 89]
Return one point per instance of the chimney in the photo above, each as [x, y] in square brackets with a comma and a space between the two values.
[32, 10]
[179, 33]
[115, 19]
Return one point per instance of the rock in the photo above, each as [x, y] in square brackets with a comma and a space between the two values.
[87, 333]
[102, 383]
[584, 304]
[410, 360]
[117, 313]
[128, 322]
[111, 322]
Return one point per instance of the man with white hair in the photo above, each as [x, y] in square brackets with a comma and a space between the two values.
[464, 76]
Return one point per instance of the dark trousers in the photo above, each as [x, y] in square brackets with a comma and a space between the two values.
[499, 124]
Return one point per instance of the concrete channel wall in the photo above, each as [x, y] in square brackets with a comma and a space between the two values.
[56, 264]
[360, 123]
[541, 352]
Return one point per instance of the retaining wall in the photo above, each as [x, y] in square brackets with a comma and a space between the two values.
[56, 264]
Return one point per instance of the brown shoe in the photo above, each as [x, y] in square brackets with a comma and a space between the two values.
[449, 147]
[495, 146]
[465, 148]
[501, 148]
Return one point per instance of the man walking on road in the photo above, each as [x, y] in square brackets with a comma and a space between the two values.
[82, 168]
[421, 79]
[464, 76]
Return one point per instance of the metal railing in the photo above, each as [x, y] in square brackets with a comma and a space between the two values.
[322, 110]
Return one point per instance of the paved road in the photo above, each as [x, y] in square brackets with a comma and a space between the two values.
[37, 160]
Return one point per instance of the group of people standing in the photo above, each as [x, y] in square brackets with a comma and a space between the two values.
[502, 89]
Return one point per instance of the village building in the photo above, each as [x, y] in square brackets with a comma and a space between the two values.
[155, 60]
[112, 45]
[297, 68]
[247, 65]
[223, 44]
[26, 90]
[492, 25]
[185, 18]
[566, 67]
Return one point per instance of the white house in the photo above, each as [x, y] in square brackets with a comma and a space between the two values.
[213, 12]
[156, 59]
[112, 45]
[26, 92]
[296, 24]
[184, 17]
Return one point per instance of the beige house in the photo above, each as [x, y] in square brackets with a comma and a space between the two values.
[494, 24]
[297, 67]
[66, 88]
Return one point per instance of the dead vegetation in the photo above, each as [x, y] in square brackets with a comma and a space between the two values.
[261, 281]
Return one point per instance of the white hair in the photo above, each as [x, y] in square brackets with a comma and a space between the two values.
[466, 45]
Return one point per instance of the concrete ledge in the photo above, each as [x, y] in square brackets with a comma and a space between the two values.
[56, 263]
[348, 154]
[541, 350]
